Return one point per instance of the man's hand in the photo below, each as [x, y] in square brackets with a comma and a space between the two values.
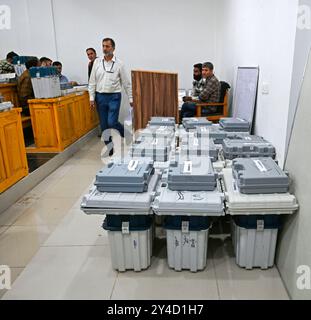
[92, 104]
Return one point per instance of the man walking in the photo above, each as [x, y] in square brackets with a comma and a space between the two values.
[107, 77]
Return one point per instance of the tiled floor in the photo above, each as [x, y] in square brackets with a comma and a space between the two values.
[55, 251]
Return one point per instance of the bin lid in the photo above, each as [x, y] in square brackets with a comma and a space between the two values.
[121, 200]
[238, 203]
[208, 203]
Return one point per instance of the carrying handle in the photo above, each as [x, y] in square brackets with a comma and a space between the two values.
[132, 165]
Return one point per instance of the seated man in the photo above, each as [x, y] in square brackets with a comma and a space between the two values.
[6, 65]
[24, 86]
[62, 78]
[210, 91]
[188, 108]
[45, 62]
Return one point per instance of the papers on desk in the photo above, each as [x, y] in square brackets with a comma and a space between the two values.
[4, 106]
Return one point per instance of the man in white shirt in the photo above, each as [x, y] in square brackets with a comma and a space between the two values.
[107, 77]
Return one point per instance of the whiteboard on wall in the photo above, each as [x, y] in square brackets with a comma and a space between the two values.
[245, 95]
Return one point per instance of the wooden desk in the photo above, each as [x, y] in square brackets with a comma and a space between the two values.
[9, 92]
[58, 122]
[13, 160]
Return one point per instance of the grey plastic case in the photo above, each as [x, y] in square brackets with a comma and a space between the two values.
[158, 132]
[234, 124]
[247, 147]
[162, 121]
[96, 202]
[192, 145]
[128, 176]
[259, 176]
[192, 123]
[191, 174]
[156, 148]
[203, 203]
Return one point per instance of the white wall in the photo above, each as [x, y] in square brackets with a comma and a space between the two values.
[261, 33]
[302, 48]
[151, 35]
[295, 237]
[31, 30]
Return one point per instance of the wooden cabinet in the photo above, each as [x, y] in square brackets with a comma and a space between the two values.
[58, 122]
[9, 93]
[13, 160]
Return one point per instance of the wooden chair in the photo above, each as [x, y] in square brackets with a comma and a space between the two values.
[223, 107]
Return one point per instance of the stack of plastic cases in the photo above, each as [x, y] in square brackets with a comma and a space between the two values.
[259, 176]
[246, 146]
[186, 213]
[234, 124]
[159, 149]
[128, 214]
[255, 240]
[162, 121]
[132, 176]
[192, 174]
[194, 146]
[193, 123]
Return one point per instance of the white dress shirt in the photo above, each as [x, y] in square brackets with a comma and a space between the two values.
[108, 77]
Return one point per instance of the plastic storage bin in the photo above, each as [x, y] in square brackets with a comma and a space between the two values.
[45, 82]
[187, 242]
[130, 242]
[254, 240]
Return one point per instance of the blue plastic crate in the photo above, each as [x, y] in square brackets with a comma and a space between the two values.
[196, 223]
[136, 223]
[250, 222]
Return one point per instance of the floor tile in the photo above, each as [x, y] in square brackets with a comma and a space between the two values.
[238, 283]
[79, 229]
[66, 273]
[19, 244]
[46, 212]
[161, 282]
